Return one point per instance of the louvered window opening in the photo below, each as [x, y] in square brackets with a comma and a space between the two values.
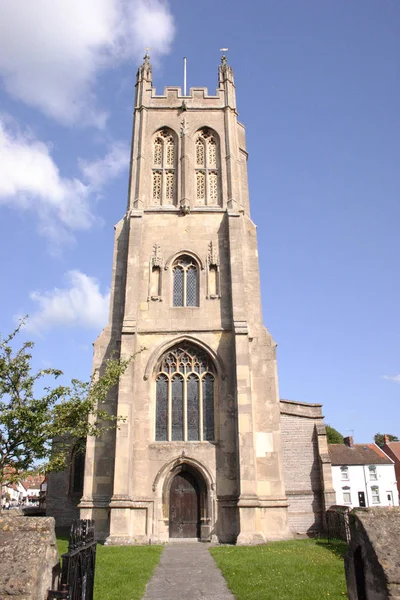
[164, 176]
[207, 174]
[185, 282]
[185, 395]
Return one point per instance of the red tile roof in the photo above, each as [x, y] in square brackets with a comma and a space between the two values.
[394, 447]
[359, 454]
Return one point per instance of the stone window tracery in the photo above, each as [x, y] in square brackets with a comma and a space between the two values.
[164, 155]
[207, 168]
[185, 383]
[185, 274]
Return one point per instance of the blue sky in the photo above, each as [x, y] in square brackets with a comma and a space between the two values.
[318, 91]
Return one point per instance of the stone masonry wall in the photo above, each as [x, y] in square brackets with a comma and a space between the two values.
[60, 504]
[28, 557]
[301, 466]
[372, 562]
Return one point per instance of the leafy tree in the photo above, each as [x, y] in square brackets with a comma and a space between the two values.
[37, 428]
[334, 437]
[379, 439]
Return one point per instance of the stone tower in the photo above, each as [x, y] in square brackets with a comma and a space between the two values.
[199, 455]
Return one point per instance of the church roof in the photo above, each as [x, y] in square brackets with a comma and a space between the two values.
[358, 454]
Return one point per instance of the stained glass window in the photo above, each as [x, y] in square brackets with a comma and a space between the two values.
[77, 469]
[208, 407]
[185, 282]
[162, 408]
[191, 286]
[177, 407]
[193, 425]
[178, 286]
[185, 382]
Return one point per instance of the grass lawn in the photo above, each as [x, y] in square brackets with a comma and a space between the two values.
[121, 572]
[295, 570]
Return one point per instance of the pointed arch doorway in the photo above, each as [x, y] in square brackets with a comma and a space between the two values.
[184, 506]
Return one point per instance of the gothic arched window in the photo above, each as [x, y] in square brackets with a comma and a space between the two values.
[185, 274]
[185, 385]
[164, 177]
[77, 468]
[207, 168]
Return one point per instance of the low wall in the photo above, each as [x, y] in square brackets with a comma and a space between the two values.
[373, 560]
[28, 557]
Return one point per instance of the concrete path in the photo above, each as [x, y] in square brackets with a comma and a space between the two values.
[187, 572]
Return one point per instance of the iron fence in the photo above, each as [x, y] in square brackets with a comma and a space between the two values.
[337, 523]
[78, 564]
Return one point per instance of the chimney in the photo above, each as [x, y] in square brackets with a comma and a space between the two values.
[386, 438]
[349, 441]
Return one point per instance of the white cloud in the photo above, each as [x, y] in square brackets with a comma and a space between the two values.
[30, 180]
[51, 51]
[79, 304]
[395, 378]
[99, 171]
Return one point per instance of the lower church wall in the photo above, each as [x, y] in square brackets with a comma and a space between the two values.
[302, 466]
[60, 504]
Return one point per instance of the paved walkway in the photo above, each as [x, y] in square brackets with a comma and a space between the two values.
[187, 572]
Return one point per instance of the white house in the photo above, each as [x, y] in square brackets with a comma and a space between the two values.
[362, 475]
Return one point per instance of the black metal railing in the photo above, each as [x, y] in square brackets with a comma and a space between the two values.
[78, 564]
[337, 523]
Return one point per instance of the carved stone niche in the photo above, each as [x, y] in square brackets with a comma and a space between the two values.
[155, 275]
[213, 272]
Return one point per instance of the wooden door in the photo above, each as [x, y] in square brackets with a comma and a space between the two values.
[184, 507]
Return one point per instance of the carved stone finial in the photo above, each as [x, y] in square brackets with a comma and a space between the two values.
[184, 127]
[144, 71]
[156, 259]
[224, 60]
[213, 256]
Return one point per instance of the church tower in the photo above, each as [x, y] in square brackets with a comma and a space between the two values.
[199, 455]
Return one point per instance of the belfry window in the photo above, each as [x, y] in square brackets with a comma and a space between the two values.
[185, 282]
[185, 395]
[207, 168]
[164, 176]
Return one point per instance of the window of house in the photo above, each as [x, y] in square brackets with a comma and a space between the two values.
[164, 177]
[346, 495]
[344, 471]
[207, 168]
[185, 385]
[185, 274]
[373, 476]
[375, 494]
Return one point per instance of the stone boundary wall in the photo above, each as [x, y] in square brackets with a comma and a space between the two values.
[372, 562]
[29, 561]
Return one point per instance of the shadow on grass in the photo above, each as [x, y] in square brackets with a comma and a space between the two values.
[336, 547]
